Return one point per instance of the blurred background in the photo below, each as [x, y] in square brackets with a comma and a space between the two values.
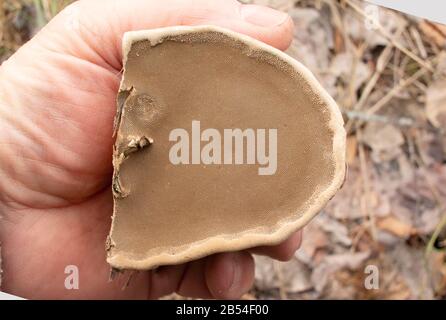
[387, 72]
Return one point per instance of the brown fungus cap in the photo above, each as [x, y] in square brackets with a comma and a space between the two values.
[186, 183]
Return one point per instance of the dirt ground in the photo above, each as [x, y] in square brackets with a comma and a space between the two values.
[387, 71]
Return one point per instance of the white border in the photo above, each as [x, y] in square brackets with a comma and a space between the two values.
[6, 296]
[434, 10]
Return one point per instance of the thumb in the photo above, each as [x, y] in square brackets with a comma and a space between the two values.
[93, 29]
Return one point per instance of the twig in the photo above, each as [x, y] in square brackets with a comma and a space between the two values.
[366, 185]
[418, 161]
[442, 224]
[419, 42]
[397, 62]
[395, 90]
[381, 64]
[435, 235]
[358, 52]
[406, 67]
[337, 21]
[384, 33]
[410, 42]
[365, 117]
[355, 241]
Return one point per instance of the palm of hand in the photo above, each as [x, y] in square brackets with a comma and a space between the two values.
[61, 199]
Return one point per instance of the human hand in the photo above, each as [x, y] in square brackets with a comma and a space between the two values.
[57, 103]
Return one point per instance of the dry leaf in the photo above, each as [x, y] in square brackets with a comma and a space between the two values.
[436, 104]
[325, 271]
[352, 147]
[265, 275]
[385, 141]
[409, 264]
[310, 44]
[437, 265]
[356, 27]
[346, 203]
[440, 68]
[295, 276]
[338, 232]
[434, 31]
[395, 226]
[418, 201]
[315, 238]
[349, 68]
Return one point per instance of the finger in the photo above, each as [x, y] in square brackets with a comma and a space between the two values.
[193, 283]
[283, 251]
[96, 27]
[165, 280]
[220, 276]
[229, 275]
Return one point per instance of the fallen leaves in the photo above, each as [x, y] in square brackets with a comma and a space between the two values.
[395, 192]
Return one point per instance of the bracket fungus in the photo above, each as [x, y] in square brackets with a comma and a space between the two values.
[201, 111]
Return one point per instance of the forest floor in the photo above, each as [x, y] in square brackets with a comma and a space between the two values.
[389, 79]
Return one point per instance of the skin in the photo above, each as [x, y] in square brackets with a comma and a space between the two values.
[57, 103]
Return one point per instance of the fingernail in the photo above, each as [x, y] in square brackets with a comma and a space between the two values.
[262, 16]
[237, 271]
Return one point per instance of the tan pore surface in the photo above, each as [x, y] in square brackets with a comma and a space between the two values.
[169, 214]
